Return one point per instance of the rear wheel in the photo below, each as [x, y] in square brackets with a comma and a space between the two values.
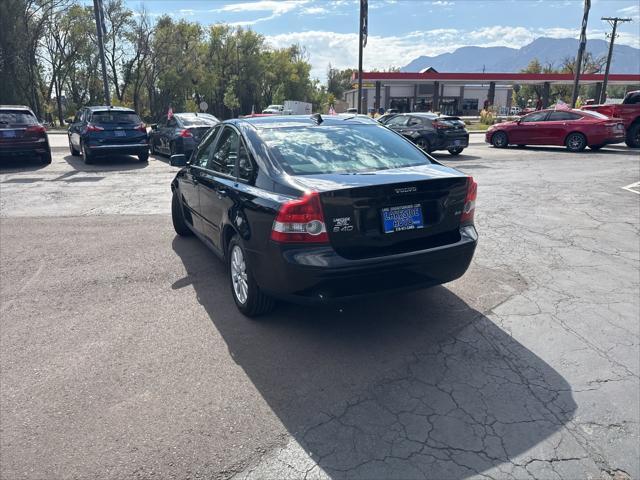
[499, 140]
[177, 216]
[152, 147]
[172, 148]
[576, 142]
[455, 151]
[596, 147]
[73, 151]
[250, 300]
[88, 158]
[46, 158]
[424, 144]
[633, 135]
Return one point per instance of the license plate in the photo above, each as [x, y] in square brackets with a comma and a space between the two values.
[120, 133]
[9, 134]
[398, 219]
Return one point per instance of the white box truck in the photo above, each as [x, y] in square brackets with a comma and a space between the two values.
[294, 107]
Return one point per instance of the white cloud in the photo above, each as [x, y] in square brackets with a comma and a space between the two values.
[341, 49]
[277, 7]
[314, 10]
[632, 11]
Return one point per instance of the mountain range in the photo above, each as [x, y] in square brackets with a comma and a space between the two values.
[503, 59]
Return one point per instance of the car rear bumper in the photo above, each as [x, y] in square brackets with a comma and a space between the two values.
[122, 149]
[24, 149]
[457, 141]
[319, 274]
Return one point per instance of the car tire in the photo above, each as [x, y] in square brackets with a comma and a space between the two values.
[455, 151]
[596, 147]
[424, 144]
[249, 299]
[177, 216]
[73, 151]
[172, 149]
[576, 142]
[152, 148]
[87, 157]
[633, 136]
[45, 158]
[143, 157]
[521, 146]
[500, 140]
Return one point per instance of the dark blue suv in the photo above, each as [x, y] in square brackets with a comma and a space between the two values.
[108, 130]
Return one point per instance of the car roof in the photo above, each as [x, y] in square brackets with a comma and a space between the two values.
[14, 107]
[282, 121]
[116, 109]
[418, 114]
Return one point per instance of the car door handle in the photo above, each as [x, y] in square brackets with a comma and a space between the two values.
[221, 193]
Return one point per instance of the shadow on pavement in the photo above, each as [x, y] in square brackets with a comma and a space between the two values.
[21, 164]
[106, 163]
[607, 150]
[446, 157]
[408, 386]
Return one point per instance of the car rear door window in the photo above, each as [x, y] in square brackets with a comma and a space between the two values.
[205, 149]
[225, 153]
[534, 117]
[246, 166]
[563, 116]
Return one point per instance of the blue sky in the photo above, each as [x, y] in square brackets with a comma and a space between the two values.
[401, 30]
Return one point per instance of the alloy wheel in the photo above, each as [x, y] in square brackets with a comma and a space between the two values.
[239, 275]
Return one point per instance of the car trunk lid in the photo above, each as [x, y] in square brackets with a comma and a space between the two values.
[391, 211]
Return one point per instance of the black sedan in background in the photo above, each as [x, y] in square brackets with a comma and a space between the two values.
[103, 131]
[181, 133]
[430, 131]
[313, 209]
[21, 135]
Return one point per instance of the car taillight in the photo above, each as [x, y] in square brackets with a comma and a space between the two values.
[439, 126]
[94, 128]
[35, 129]
[185, 133]
[300, 221]
[469, 202]
[141, 127]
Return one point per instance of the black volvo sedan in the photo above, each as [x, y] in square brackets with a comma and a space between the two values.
[314, 209]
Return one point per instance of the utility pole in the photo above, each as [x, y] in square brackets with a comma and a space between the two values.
[362, 42]
[583, 44]
[613, 21]
[100, 29]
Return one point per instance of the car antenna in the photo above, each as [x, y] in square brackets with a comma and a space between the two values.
[316, 117]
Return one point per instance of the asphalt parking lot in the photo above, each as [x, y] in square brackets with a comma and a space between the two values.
[123, 356]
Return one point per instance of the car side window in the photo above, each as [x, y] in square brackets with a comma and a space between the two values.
[247, 170]
[559, 116]
[225, 153]
[414, 121]
[397, 121]
[172, 123]
[534, 117]
[205, 149]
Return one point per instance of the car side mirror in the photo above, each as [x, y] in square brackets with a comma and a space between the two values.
[178, 160]
[154, 126]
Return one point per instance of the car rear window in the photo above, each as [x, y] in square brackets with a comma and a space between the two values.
[595, 114]
[114, 117]
[340, 149]
[199, 120]
[17, 117]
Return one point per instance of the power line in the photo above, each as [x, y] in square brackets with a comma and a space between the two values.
[613, 21]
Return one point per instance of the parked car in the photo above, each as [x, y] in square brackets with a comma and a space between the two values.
[274, 109]
[21, 135]
[628, 111]
[430, 131]
[181, 133]
[352, 110]
[99, 131]
[314, 209]
[575, 129]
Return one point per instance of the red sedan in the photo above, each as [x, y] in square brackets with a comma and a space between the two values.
[575, 129]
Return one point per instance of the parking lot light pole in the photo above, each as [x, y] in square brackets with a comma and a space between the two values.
[583, 45]
[613, 21]
[362, 42]
[100, 30]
